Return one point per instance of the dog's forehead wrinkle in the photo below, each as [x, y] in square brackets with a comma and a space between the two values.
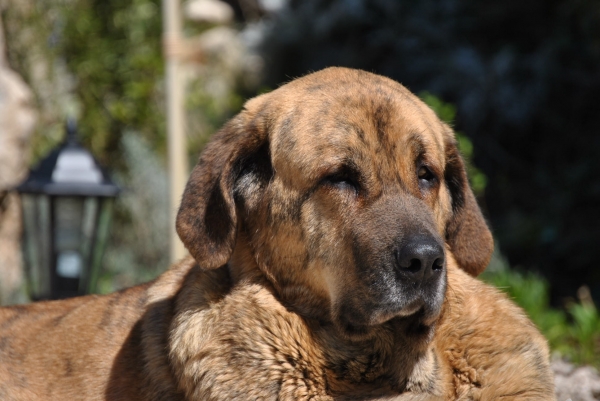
[424, 148]
[438, 138]
[348, 127]
[434, 127]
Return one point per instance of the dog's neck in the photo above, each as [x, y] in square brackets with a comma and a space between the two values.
[373, 361]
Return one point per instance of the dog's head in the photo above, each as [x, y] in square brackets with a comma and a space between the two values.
[346, 192]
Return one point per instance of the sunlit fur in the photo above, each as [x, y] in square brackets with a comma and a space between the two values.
[295, 216]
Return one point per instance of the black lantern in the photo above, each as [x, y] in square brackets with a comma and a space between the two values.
[67, 205]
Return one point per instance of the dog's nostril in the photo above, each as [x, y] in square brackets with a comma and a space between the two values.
[438, 264]
[415, 266]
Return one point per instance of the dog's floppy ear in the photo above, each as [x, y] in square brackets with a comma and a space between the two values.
[207, 219]
[467, 233]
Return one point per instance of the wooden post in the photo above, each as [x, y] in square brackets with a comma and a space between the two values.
[178, 166]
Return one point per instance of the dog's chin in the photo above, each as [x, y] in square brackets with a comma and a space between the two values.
[416, 319]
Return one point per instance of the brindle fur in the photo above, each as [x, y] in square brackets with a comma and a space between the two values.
[297, 216]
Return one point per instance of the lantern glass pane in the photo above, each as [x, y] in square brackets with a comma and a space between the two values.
[68, 217]
[81, 225]
[89, 228]
[37, 244]
[104, 217]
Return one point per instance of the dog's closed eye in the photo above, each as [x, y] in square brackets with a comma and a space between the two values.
[344, 179]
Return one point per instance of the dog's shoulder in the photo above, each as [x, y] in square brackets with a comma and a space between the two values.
[241, 343]
[490, 344]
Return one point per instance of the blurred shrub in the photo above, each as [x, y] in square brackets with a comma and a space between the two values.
[97, 60]
[584, 333]
[31, 50]
[139, 245]
[113, 50]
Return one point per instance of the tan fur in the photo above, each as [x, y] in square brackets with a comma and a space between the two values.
[298, 216]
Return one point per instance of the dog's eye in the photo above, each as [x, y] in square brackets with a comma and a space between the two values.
[341, 180]
[425, 175]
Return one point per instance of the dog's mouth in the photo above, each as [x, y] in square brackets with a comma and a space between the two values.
[362, 311]
[416, 317]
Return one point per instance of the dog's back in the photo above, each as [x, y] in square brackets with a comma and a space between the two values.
[91, 346]
[35, 345]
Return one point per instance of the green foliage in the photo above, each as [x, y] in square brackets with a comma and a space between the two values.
[206, 113]
[113, 50]
[30, 29]
[573, 333]
[446, 112]
[585, 332]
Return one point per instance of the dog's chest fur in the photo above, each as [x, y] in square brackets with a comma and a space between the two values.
[264, 351]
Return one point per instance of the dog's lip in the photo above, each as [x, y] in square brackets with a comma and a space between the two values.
[389, 311]
[412, 308]
[416, 314]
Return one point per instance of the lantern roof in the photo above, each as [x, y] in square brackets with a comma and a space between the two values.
[69, 170]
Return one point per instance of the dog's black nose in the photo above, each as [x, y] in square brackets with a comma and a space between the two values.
[420, 258]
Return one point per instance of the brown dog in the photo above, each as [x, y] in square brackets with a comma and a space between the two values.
[331, 225]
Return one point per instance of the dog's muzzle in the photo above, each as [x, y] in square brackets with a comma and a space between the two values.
[407, 280]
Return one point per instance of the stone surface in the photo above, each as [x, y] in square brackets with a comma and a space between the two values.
[575, 383]
[213, 11]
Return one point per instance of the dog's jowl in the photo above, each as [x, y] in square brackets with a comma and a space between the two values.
[334, 242]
